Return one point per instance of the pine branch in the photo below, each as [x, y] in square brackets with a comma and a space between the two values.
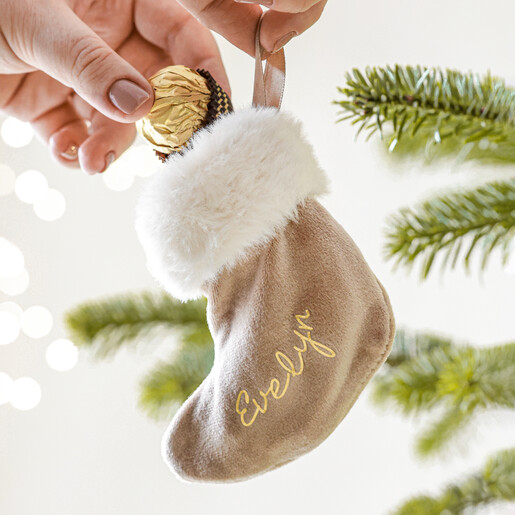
[496, 483]
[428, 106]
[413, 385]
[408, 345]
[462, 380]
[438, 435]
[456, 225]
[170, 383]
[105, 325]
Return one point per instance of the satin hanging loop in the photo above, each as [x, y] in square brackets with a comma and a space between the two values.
[268, 86]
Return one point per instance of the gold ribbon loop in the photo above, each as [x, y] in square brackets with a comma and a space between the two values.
[268, 86]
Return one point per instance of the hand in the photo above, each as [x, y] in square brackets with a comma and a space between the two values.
[236, 19]
[76, 69]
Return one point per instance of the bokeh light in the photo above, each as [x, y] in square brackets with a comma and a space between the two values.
[7, 180]
[16, 134]
[15, 285]
[137, 161]
[12, 262]
[12, 307]
[62, 355]
[118, 179]
[141, 161]
[51, 207]
[6, 388]
[10, 327]
[25, 393]
[36, 322]
[31, 186]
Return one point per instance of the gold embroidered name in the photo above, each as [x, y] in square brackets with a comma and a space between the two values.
[277, 389]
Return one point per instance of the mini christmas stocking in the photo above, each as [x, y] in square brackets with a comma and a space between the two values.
[299, 321]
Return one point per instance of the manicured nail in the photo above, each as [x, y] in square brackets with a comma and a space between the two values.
[282, 41]
[71, 152]
[127, 96]
[267, 3]
[110, 158]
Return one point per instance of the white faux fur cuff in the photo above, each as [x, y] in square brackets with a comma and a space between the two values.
[237, 184]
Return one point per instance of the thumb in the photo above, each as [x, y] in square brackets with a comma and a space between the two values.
[64, 47]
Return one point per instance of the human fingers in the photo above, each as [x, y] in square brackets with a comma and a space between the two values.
[278, 28]
[236, 22]
[180, 35]
[67, 49]
[285, 6]
[64, 130]
[44, 102]
[108, 139]
[30, 95]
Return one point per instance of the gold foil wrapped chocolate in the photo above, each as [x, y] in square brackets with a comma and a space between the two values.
[185, 101]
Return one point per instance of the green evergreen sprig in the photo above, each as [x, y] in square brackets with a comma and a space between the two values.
[432, 106]
[171, 382]
[460, 380]
[106, 324]
[495, 483]
[456, 225]
[408, 345]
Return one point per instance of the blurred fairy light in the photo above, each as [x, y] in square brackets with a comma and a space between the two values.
[15, 285]
[51, 207]
[36, 322]
[25, 393]
[16, 134]
[12, 307]
[137, 161]
[7, 180]
[62, 355]
[12, 262]
[10, 327]
[31, 186]
[10, 322]
[6, 388]
[144, 162]
[117, 179]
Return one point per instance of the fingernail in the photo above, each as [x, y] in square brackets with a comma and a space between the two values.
[71, 152]
[267, 3]
[110, 158]
[127, 96]
[282, 41]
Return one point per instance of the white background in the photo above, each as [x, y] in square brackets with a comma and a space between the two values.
[87, 448]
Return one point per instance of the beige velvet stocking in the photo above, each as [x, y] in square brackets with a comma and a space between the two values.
[299, 327]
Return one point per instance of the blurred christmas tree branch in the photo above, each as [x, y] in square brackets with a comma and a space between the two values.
[460, 380]
[455, 225]
[106, 324]
[432, 110]
[170, 383]
[495, 483]
[409, 345]
[460, 113]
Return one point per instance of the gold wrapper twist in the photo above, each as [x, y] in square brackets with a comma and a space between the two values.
[185, 101]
